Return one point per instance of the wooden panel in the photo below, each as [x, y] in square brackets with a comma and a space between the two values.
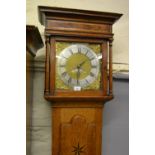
[78, 137]
[77, 128]
[104, 67]
[55, 130]
[78, 26]
[66, 113]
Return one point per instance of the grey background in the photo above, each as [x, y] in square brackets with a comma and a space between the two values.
[115, 139]
[115, 134]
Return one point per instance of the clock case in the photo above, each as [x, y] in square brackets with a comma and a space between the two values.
[79, 26]
[77, 115]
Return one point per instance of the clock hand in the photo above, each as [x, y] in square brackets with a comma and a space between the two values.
[83, 62]
[79, 65]
[78, 74]
[78, 69]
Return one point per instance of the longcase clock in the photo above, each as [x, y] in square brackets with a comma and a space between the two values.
[78, 76]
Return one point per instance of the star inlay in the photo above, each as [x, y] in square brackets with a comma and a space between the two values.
[78, 150]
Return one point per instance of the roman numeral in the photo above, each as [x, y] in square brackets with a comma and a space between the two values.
[70, 80]
[64, 74]
[86, 52]
[61, 65]
[92, 74]
[79, 50]
[94, 66]
[86, 80]
[63, 56]
[92, 58]
[70, 50]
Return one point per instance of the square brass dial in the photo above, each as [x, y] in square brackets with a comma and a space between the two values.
[78, 66]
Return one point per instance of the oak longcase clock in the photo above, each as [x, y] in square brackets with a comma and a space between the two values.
[78, 76]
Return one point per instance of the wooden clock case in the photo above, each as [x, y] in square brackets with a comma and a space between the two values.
[77, 115]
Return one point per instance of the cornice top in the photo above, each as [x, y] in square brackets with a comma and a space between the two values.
[93, 16]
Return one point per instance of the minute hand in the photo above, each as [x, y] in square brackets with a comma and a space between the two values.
[82, 63]
[79, 65]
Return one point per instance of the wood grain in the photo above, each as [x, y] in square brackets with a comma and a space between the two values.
[104, 67]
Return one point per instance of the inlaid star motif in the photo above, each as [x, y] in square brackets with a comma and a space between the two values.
[78, 149]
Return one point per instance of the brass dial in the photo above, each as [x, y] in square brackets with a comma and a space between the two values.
[78, 66]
